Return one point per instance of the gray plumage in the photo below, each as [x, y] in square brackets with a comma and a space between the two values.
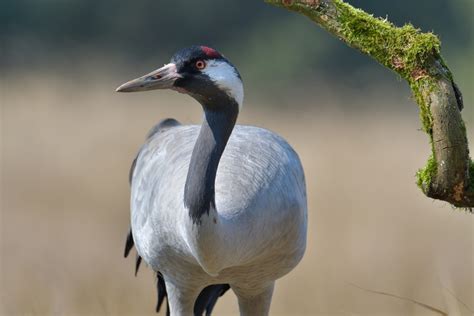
[260, 203]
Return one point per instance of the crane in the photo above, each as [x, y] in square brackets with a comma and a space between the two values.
[217, 205]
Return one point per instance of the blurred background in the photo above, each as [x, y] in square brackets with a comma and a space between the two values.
[67, 140]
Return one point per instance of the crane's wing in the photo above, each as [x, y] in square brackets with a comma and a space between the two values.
[208, 297]
[158, 128]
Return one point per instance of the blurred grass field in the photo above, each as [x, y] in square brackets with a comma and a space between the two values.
[66, 148]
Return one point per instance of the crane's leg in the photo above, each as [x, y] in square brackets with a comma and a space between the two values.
[181, 298]
[254, 301]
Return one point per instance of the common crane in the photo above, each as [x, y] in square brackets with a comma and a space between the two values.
[217, 205]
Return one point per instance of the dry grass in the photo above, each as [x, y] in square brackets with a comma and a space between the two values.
[66, 149]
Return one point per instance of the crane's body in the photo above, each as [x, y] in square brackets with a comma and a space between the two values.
[259, 216]
[217, 205]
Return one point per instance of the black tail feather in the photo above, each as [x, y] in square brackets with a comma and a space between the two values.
[138, 260]
[205, 302]
[161, 290]
[128, 243]
[208, 297]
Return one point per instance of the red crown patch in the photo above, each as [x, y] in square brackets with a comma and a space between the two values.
[210, 52]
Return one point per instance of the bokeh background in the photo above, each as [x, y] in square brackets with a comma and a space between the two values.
[67, 140]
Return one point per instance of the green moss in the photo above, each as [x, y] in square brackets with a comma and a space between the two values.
[470, 185]
[425, 175]
[418, 87]
[403, 49]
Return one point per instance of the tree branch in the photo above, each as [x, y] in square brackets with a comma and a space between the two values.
[415, 56]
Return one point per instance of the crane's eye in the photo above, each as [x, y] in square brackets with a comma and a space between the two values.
[200, 64]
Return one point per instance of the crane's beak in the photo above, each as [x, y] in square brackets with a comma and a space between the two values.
[162, 78]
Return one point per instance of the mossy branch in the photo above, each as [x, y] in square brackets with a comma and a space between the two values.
[415, 56]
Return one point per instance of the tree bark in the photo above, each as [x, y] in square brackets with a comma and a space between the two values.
[415, 56]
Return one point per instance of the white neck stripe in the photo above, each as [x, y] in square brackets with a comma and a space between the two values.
[226, 78]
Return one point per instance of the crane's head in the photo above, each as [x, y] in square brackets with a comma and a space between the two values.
[199, 71]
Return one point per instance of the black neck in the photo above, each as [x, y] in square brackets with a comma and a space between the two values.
[199, 193]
